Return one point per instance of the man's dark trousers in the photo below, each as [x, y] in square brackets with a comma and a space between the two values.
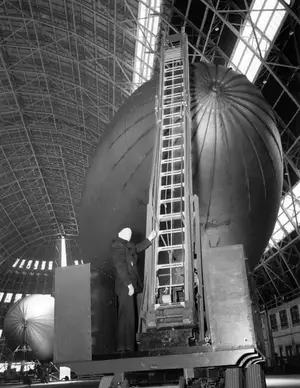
[126, 320]
[125, 258]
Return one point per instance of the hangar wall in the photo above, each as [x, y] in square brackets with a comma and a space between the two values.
[283, 323]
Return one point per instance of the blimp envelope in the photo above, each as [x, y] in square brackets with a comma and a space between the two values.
[236, 158]
[30, 321]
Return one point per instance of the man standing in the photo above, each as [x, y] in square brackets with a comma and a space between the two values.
[127, 282]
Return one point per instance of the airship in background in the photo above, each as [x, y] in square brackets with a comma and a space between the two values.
[236, 158]
[30, 321]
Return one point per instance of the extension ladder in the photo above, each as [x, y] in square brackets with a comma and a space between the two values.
[171, 290]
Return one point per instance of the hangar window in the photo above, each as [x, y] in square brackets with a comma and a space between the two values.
[16, 263]
[43, 266]
[18, 297]
[273, 322]
[1, 331]
[294, 310]
[1, 295]
[76, 262]
[257, 35]
[8, 297]
[29, 264]
[22, 264]
[288, 216]
[50, 265]
[283, 319]
[147, 29]
[36, 264]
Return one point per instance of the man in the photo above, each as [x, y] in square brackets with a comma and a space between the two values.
[127, 282]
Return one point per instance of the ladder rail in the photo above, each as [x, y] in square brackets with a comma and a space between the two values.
[189, 271]
[171, 115]
[169, 262]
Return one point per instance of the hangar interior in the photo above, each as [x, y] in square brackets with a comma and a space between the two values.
[67, 66]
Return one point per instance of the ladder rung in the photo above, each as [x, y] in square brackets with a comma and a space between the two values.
[173, 77]
[173, 49]
[171, 137]
[172, 200]
[174, 59]
[174, 186]
[170, 248]
[172, 126]
[172, 265]
[162, 304]
[167, 87]
[173, 105]
[174, 160]
[172, 216]
[170, 231]
[173, 115]
[174, 95]
[171, 173]
[173, 54]
[174, 148]
[173, 68]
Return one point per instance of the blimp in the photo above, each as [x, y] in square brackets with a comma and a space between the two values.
[237, 168]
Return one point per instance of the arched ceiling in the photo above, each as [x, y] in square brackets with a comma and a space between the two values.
[66, 66]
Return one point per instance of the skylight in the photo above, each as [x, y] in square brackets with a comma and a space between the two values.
[147, 30]
[34, 265]
[259, 31]
[29, 264]
[18, 297]
[8, 297]
[288, 216]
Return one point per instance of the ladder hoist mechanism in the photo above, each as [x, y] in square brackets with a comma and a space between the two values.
[169, 295]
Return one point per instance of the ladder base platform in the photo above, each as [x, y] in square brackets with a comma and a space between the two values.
[188, 357]
[151, 340]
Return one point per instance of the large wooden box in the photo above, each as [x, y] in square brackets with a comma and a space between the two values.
[85, 314]
[230, 308]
